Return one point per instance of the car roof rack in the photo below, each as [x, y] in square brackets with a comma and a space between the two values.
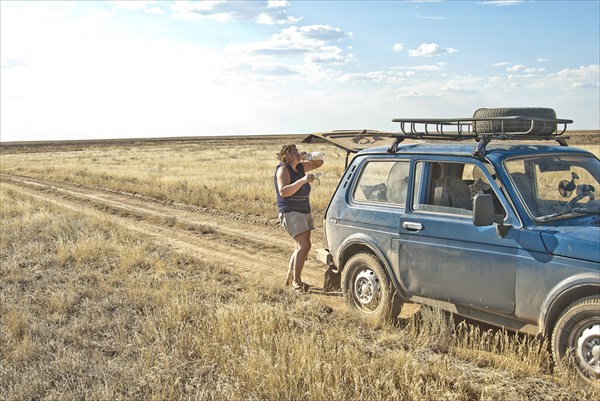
[481, 129]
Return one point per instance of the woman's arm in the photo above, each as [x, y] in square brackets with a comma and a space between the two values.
[311, 164]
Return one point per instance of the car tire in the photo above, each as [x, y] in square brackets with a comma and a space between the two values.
[520, 126]
[368, 289]
[576, 339]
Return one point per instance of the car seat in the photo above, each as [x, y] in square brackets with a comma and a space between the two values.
[523, 184]
[397, 183]
[456, 193]
[453, 192]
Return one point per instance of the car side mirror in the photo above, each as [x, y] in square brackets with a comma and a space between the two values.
[483, 210]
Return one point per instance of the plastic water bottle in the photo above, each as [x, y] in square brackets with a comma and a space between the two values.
[315, 156]
[318, 177]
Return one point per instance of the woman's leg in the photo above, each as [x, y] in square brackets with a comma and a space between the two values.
[290, 273]
[300, 254]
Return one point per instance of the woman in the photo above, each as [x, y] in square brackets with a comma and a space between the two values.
[292, 186]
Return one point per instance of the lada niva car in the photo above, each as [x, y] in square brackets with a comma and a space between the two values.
[484, 217]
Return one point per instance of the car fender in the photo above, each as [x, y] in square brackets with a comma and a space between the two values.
[565, 293]
[352, 245]
[359, 242]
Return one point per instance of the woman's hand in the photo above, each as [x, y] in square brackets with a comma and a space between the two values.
[308, 178]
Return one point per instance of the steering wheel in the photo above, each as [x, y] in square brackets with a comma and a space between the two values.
[583, 191]
[566, 188]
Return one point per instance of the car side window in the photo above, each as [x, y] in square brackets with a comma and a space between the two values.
[449, 187]
[383, 182]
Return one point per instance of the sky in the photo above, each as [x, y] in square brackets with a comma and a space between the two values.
[128, 69]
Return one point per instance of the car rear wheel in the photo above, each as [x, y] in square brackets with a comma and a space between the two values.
[576, 339]
[539, 127]
[369, 290]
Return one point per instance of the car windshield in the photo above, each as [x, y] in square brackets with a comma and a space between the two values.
[557, 186]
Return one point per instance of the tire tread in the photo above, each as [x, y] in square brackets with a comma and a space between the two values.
[539, 127]
[558, 342]
[389, 312]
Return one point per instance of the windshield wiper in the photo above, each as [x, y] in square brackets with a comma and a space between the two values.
[555, 215]
[585, 211]
[571, 211]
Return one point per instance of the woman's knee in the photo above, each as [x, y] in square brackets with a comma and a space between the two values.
[305, 248]
[303, 243]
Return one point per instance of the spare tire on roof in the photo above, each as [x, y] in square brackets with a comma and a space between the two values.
[539, 127]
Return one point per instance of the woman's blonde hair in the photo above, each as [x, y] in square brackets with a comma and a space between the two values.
[284, 149]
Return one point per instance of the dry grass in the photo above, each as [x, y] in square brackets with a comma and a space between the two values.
[230, 176]
[89, 310]
[233, 176]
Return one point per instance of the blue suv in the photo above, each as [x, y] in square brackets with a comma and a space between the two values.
[504, 229]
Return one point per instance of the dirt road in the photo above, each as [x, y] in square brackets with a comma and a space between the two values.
[256, 249]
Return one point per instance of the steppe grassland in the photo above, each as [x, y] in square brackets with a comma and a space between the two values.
[232, 176]
[90, 310]
[227, 175]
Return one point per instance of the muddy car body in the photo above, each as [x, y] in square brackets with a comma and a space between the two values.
[503, 230]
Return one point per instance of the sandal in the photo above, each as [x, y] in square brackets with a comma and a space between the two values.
[300, 286]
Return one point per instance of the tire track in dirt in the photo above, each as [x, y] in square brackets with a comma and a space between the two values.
[156, 209]
[258, 252]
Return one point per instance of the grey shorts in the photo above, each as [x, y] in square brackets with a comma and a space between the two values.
[296, 223]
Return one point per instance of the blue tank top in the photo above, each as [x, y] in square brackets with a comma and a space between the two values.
[298, 202]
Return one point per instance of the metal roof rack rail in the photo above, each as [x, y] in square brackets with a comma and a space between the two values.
[481, 129]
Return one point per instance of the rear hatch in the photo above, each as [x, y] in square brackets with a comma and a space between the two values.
[353, 141]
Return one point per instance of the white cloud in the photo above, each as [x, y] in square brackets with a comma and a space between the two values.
[585, 85]
[502, 3]
[383, 77]
[265, 13]
[555, 86]
[277, 3]
[516, 67]
[327, 54]
[543, 60]
[429, 67]
[430, 49]
[106, 81]
[524, 77]
[525, 69]
[533, 70]
[393, 75]
[462, 89]
[582, 77]
[464, 84]
[22, 61]
[418, 93]
[311, 42]
[265, 19]
[80, 74]
[138, 5]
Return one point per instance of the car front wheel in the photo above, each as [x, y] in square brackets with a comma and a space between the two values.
[576, 338]
[369, 290]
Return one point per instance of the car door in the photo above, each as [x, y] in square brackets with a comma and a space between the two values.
[442, 254]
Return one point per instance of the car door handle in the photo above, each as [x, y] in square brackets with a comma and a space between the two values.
[412, 226]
